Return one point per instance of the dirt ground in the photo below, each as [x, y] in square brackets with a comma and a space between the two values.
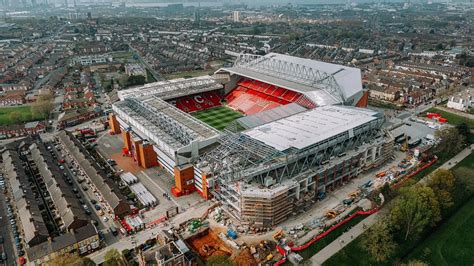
[126, 163]
[209, 244]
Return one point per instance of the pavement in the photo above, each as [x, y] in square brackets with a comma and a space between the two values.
[6, 232]
[343, 240]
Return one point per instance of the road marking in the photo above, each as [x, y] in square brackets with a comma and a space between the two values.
[153, 181]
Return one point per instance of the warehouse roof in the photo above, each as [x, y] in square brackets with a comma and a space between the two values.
[308, 128]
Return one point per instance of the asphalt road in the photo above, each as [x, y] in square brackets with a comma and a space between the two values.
[6, 232]
[87, 196]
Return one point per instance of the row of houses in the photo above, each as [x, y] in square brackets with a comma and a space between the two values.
[30, 168]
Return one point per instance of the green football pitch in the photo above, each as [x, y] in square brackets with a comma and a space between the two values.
[218, 117]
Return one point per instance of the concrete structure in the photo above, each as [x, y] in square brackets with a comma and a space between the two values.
[262, 175]
[263, 166]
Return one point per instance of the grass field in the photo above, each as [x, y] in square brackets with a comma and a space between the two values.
[453, 119]
[444, 245]
[450, 244]
[25, 111]
[323, 242]
[218, 117]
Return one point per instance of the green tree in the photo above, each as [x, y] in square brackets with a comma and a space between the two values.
[465, 179]
[378, 241]
[113, 258]
[442, 184]
[136, 80]
[451, 142]
[414, 209]
[43, 105]
[464, 129]
[15, 117]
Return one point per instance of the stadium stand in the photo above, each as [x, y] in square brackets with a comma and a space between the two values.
[198, 102]
[253, 96]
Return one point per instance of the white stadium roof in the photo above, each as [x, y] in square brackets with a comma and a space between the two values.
[311, 127]
[323, 83]
[172, 88]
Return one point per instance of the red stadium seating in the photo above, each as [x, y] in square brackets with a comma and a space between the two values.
[253, 96]
[198, 102]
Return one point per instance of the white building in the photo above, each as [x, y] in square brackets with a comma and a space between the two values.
[236, 16]
[462, 102]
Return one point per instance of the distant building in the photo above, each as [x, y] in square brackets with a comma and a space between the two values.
[462, 102]
[92, 59]
[236, 16]
[135, 70]
[174, 253]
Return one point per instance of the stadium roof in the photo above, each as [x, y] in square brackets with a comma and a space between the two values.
[163, 123]
[172, 88]
[323, 83]
[267, 116]
[308, 128]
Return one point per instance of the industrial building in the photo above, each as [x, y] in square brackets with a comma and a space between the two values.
[304, 131]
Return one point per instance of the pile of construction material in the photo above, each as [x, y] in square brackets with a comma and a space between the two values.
[128, 178]
[143, 195]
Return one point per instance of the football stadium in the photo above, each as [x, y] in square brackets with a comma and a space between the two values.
[264, 137]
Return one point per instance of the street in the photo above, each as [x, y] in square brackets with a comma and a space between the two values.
[6, 232]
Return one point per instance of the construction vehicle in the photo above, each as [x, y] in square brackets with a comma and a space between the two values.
[381, 174]
[278, 235]
[269, 257]
[331, 214]
[354, 194]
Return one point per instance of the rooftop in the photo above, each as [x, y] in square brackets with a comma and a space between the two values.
[172, 88]
[324, 83]
[308, 128]
[162, 122]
